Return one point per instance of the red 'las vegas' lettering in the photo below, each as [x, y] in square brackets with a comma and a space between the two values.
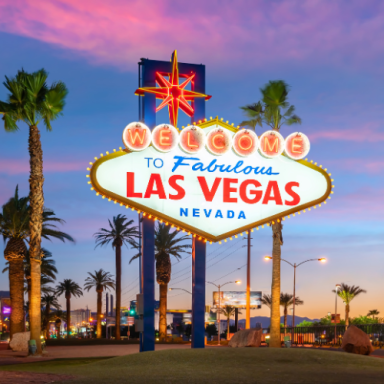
[276, 197]
[293, 194]
[209, 194]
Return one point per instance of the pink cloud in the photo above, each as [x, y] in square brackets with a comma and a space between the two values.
[371, 132]
[119, 32]
[16, 166]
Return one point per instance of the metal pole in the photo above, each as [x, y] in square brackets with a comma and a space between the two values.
[248, 304]
[335, 313]
[236, 319]
[198, 293]
[218, 338]
[140, 250]
[294, 301]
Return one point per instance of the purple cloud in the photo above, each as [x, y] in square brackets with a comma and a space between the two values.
[117, 32]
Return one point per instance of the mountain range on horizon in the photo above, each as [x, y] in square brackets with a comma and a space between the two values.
[265, 321]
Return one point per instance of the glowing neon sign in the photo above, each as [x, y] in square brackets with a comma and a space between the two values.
[212, 180]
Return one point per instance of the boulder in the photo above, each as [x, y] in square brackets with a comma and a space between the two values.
[19, 342]
[246, 338]
[356, 341]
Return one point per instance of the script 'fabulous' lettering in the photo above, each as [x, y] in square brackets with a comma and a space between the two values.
[213, 167]
[249, 191]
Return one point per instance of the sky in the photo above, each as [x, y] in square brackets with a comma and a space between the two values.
[331, 55]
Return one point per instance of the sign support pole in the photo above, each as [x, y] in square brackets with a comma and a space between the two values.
[148, 282]
[198, 293]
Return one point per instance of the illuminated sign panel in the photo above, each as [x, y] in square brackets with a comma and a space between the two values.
[203, 185]
[237, 298]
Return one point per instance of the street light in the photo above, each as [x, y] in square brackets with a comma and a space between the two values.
[180, 289]
[337, 287]
[322, 260]
[218, 311]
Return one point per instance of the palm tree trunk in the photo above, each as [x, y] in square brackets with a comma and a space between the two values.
[36, 197]
[47, 312]
[228, 327]
[29, 287]
[98, 324]
[275, 340]
[68, 297]
[285, 318]
[347, 315]
[118, 290]
[16, 290]
[163, 311]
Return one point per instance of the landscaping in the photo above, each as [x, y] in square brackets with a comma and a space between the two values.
[221, 365]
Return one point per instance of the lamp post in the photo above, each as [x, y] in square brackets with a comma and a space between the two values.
[322, 259]
[337, 287]
[180, 289]
[218, 311]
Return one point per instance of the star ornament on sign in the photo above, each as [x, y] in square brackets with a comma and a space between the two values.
[173, 94]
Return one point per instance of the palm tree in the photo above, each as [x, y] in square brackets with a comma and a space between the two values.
[58, 316]
[101, 280]
[228, 311]
[286, 300]
[166, 244]
[347, 294]
[255, 114]
[266, 300]
[68, 287]
[373, 313]
[49, 301]
[14, 227]
[48, 271]
[275, 111]
[30, 100]
[121, 232]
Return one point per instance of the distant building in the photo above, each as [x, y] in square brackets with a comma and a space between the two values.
[5, 312]
[80, 315]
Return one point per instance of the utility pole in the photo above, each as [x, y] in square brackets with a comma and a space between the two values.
[248, 304]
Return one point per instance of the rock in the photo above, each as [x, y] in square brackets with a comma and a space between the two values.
[356, 341]
[246, 338]
[19, 342]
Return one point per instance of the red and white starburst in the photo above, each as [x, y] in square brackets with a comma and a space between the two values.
[173, 94]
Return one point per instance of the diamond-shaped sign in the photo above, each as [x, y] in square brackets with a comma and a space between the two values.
[212, 196]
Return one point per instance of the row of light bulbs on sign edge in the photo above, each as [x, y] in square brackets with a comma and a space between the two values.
[150, 216]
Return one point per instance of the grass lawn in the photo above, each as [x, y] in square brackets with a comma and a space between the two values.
[219, 365]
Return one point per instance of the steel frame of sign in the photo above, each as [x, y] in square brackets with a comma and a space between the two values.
[147, 115]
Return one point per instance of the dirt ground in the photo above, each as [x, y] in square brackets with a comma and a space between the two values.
[28, 377]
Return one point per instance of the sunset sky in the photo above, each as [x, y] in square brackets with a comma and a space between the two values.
[330, 53]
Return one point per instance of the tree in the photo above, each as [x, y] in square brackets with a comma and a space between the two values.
[254, 112]
[166, 244]
[347, 294]
[58, 316]
[286, 300]
[31, 101]
[275, 111]
[48, 271]
[121, 232]
[373, 313]
[101, 280]
[48, 301]
[228, 311]
[14, 227]
[68, 287]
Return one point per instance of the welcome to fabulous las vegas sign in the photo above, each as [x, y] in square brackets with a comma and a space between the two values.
[211, 179]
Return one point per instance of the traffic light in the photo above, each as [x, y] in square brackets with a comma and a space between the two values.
[132, 312]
